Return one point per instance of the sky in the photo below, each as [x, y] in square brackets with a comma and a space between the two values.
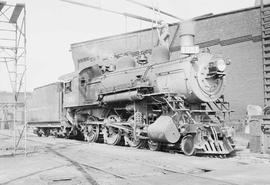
[52, 25]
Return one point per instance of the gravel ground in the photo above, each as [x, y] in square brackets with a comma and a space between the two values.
[60, 161]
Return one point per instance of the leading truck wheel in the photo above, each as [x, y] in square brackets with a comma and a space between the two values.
[187, 145]
[154, 146]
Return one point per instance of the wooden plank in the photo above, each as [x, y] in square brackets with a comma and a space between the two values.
[16, 13]
[174, 36]
[2, 4]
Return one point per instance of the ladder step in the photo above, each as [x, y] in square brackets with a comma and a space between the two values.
[266, 36]
[266, 11]
[267, 76]
[266, 56]
[266, 8]
[267, 82]
[265, 28]
[266, 18]
[266, 65]
[266, 32]
[266, 42]
[266, 49]
[267, 91]
[266, 62]
[266, 25]
[267, 70]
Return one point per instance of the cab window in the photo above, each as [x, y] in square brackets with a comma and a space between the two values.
[68, 87]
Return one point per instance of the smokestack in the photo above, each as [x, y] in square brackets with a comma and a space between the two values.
[187, 34]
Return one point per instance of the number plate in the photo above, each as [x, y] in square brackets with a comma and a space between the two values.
[190, 49]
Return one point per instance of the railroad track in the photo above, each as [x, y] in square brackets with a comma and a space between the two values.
[162, 168]
[84, 167]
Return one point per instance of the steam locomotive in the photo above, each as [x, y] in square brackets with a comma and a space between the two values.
[149, 101]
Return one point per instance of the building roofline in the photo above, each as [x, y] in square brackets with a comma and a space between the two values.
[231, 12]
[50, 84]
[198, 18]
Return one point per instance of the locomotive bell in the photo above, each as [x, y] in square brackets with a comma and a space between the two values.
[142, 59]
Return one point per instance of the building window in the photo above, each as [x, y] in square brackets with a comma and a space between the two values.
[83, 82]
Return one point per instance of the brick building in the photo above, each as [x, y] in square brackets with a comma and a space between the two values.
[7, 110]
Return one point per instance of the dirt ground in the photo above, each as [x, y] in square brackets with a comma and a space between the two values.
[56, 161]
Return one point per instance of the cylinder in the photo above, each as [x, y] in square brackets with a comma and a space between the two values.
[163, 130]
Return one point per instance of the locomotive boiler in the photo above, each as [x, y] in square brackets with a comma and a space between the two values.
[152, 101]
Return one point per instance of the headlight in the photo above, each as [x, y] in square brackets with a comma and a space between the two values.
[221, 65]
[183, 129]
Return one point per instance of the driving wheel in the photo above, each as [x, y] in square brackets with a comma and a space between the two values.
[131, 139]
[112, 135]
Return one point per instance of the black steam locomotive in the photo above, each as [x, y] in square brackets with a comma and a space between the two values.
[144, 101]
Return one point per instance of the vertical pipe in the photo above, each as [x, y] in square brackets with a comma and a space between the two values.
[25, 95]
[15, 89]
[126, 33]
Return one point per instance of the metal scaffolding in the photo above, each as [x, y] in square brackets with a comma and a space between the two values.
[13, 54]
